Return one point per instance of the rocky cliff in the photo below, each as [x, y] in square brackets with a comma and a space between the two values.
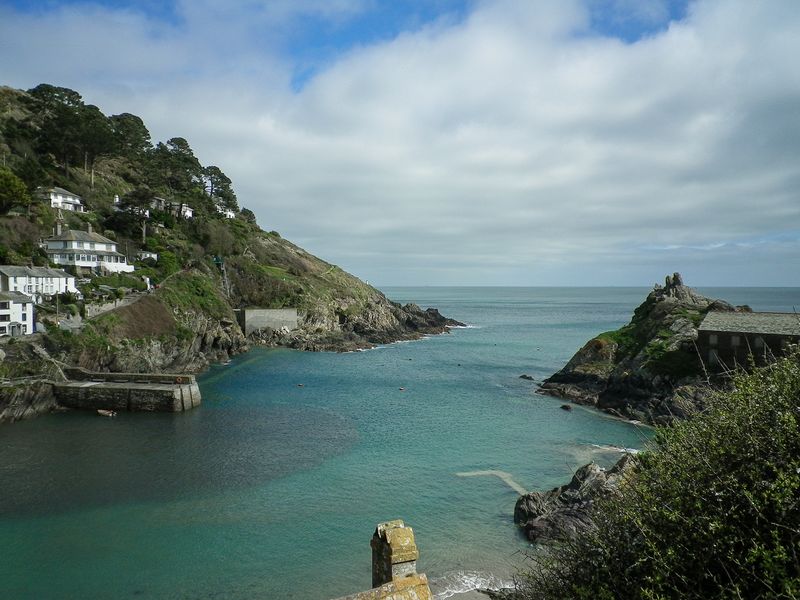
[648, 370]
[565, 511]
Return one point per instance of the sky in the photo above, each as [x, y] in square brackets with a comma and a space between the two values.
[466, 142]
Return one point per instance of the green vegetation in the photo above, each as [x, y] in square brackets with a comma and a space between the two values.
[194, 291]
[712, 511]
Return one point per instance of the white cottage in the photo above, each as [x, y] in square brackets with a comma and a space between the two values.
[63, 199]
[16, 314]
[36, 282]
[228, 213]
[86, 250]
[179, 209]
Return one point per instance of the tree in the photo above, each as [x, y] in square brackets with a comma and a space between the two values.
[248, 215]
[12, 191]
[60, 131]
[131, 135]
[219, 187]
[174, 167]
[137, 203]
[96, 135]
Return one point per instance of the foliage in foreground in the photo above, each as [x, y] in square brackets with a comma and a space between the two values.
[712, 512]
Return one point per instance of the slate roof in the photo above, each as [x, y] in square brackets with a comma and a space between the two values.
[59, 190]
[17, 271]
[755, 322]
[78, 235]
[15, 297]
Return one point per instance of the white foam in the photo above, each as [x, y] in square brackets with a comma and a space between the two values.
[464, 327]
[460, 582]
[613, 448]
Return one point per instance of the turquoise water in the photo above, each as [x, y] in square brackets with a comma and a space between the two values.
[271, 490]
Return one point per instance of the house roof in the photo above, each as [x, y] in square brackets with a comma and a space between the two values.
[752, 322]
[17, 271]
[15, 297]
[59, 190]
[77, 235]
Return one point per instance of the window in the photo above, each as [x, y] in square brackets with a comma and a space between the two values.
[5, 318]
[91, 245]
[758, 342]
[79, 245]
[3, 330]
[712, 339]
[24, 316]
[713, 356]
[3, 305]
[735, 341]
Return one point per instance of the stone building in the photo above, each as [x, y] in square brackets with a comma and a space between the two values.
[727, 339]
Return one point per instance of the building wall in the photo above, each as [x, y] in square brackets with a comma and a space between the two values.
[727, 349]
[253, 319]
[12, 312]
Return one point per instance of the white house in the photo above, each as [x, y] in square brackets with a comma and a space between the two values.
[36, 282]
[63, 199]
[179, 209]
[16, 314]
[86, 250]
[143, 254]
[228, 213]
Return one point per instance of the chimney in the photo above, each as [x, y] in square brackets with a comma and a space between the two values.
[89, 227]
[394, 553]
[58, 227]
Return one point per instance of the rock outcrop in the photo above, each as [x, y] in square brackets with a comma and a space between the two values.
[565, 511]
[648, 370]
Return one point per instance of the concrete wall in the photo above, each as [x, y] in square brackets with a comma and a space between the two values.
[253, 319]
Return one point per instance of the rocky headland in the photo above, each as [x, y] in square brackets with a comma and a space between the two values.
[649, 370]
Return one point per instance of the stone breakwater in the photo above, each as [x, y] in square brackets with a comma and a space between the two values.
[127, 391]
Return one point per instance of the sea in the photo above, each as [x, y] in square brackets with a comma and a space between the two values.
[273, 487]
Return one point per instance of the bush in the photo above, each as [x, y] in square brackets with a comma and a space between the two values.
[712, 512]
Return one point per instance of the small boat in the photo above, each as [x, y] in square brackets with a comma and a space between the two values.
[106, 413]
[566, 407]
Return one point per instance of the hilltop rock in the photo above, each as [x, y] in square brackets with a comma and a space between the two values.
[564, 511]
[648, 370]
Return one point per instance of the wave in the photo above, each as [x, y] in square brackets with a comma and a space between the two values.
[614, 448]
[464, 326]
[460, 582]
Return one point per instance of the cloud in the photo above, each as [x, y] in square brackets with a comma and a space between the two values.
[515, 146]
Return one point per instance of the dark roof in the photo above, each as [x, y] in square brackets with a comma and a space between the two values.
[17, 271]
[58, 190]
[752, 322]
[15, 297]
[77, 235]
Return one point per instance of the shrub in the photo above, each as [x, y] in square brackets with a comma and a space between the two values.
[713, 511]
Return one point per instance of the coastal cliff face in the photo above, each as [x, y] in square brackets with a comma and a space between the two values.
[649, 370]
[565, 511]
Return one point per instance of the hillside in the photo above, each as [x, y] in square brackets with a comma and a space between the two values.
[648, 370]
[207, 266]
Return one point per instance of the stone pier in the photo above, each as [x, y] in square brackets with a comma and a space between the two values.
[127, 391]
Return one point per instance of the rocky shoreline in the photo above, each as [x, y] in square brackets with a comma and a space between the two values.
[649, 370]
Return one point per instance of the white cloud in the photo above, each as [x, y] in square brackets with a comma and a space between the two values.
[509, 148]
